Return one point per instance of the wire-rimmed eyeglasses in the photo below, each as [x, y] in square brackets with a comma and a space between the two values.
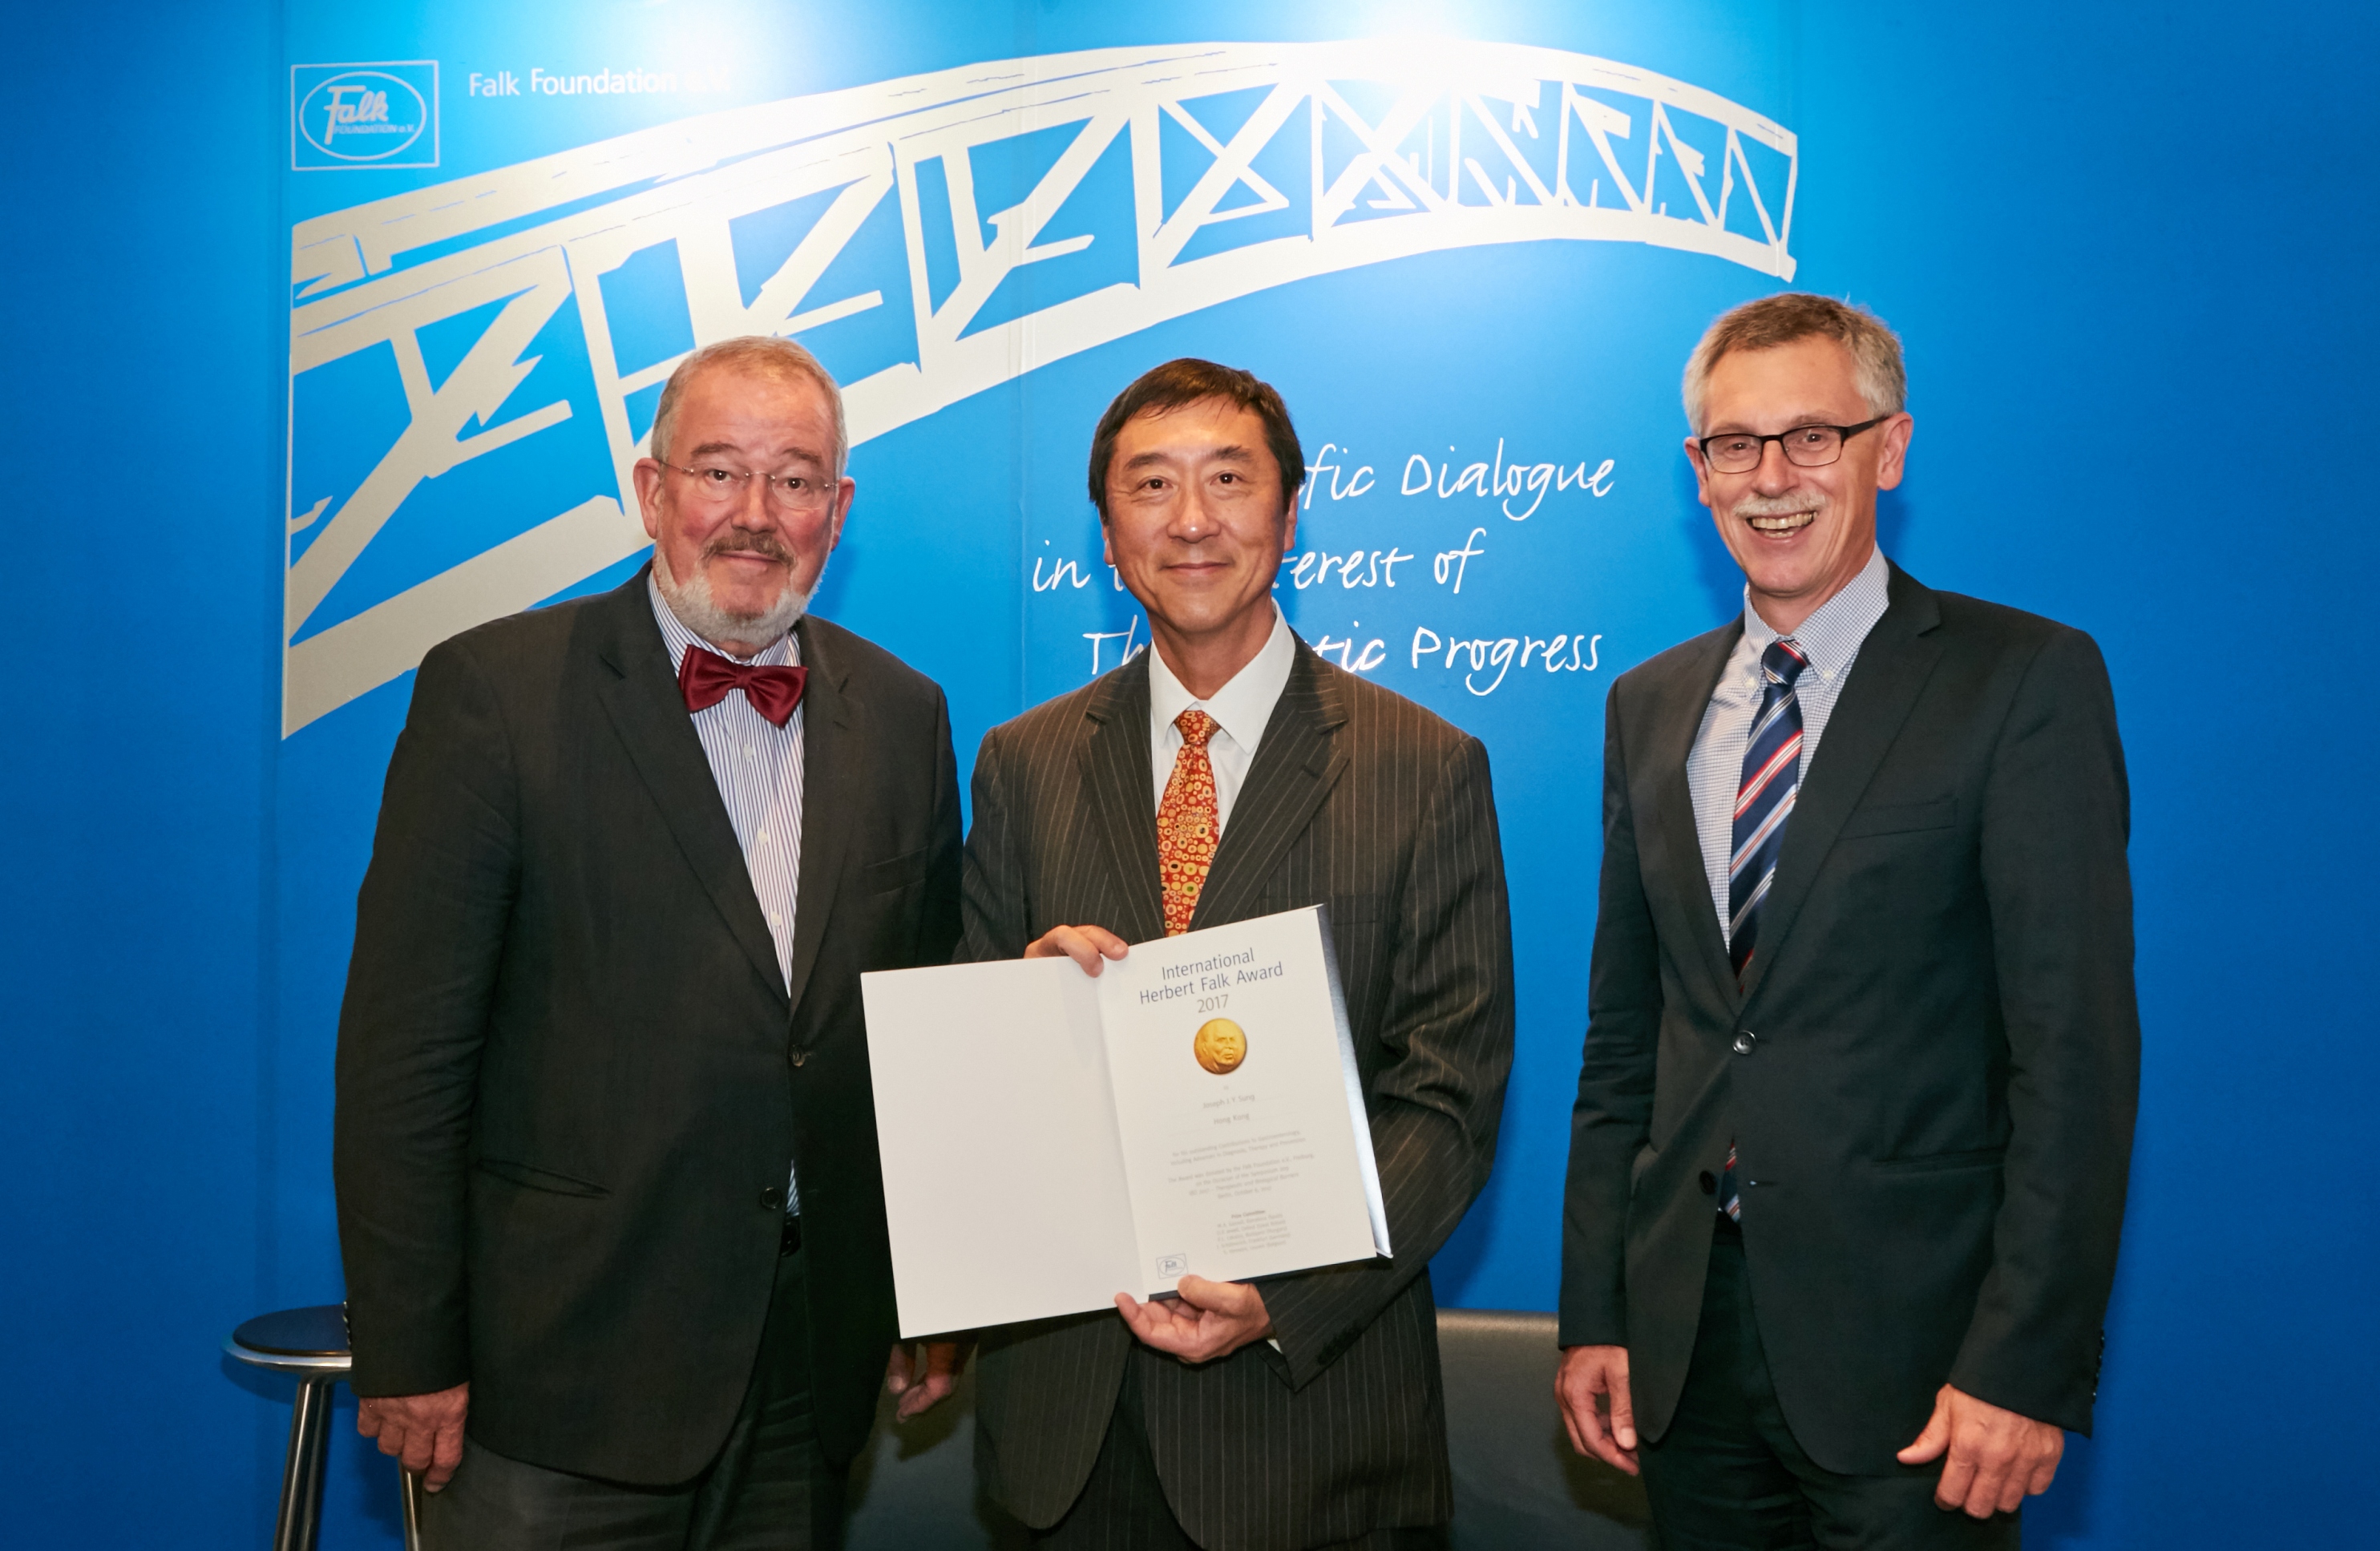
[792, 492]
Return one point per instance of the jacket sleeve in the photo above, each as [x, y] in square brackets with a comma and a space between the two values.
[1612, 1118]
[2054, 823]
[938, 930]
[430, 932]
[1439, 1095]
[993, 893]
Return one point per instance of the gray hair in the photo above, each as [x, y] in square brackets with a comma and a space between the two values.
[763, 354]
[1791, 315]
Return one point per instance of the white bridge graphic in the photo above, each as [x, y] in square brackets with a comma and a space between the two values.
[1232, 169]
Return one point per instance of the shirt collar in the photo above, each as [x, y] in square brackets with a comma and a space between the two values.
[1242, 706]
[677, 637]
[1830, 638]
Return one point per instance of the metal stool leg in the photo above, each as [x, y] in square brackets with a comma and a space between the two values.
[301, 1478]
[410, 1484]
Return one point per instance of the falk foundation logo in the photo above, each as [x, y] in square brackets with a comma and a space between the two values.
[381, 114]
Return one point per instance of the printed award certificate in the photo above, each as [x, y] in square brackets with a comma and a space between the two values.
[1050, 1140]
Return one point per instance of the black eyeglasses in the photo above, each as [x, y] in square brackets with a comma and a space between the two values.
[1740, 451]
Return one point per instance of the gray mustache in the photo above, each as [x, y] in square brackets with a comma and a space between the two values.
[766, 549]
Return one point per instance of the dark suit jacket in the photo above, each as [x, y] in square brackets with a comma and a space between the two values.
[1362, 801]
[1932, 1071]
[570, 1074]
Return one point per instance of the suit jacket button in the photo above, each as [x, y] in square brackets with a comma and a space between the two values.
[1744, 1040]
[773, 1197]
[1708, 1183]
[800, 1056]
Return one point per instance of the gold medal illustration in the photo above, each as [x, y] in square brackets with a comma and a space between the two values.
[1220, 1047]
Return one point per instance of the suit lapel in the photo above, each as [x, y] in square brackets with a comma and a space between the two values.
[835, 755]
[1891, 669]
[1297, 763]
[647, 711]
[1120, 784]
[1674, 833]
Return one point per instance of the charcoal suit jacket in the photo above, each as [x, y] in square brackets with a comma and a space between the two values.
[570, 1076]
[1931, 1071]
[1360, 800]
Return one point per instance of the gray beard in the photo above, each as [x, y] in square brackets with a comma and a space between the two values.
[700, 613]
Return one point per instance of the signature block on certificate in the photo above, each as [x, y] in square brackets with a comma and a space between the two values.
[1050, 1139]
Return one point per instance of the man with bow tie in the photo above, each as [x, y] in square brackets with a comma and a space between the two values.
[606, 1152]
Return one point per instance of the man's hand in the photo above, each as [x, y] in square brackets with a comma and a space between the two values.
[423, 1433]
[1211, 1319]
[1588, 1371]
[923, 1383]
[1086, 945]
[1998, 1458]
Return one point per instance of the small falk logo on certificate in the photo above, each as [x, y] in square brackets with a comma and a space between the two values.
[1221, 1045]
[381, 115]
[1172, 1265]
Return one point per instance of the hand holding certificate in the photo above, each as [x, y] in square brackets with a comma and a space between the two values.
[1050, 1140]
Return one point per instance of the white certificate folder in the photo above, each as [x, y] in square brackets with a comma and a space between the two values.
[1050, 1139]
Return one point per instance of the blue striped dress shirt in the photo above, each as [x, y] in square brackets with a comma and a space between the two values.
[758, 768]
[1831, 637]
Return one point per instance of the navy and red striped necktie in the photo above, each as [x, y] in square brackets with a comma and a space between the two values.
[1764, 801]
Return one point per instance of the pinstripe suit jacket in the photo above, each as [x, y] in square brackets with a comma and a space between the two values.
[1362, 800]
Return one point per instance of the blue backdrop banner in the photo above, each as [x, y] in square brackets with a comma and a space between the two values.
[1472, 267]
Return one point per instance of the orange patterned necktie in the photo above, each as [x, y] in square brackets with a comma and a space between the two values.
[1187, 822]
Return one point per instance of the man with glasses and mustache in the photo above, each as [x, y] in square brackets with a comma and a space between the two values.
[1849, 1153]
[606, 1151]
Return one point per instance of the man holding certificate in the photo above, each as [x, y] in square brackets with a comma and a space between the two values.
[1230, 774]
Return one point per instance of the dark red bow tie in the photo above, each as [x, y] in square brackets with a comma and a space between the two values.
[705, 678]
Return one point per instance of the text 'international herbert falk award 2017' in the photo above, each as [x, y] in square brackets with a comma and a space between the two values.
[1050, 1140]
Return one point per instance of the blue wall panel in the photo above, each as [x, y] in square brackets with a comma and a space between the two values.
[140, 266]
[2169, 317]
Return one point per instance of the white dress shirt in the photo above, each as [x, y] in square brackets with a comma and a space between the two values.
[1830, 638]
[1239, 708]
[758, 765]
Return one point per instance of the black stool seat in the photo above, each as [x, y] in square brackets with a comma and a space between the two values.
[320, 1331]
[310, 1345]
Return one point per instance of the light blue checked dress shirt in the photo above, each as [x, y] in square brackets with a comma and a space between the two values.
[758, 768]
[1831, 637]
